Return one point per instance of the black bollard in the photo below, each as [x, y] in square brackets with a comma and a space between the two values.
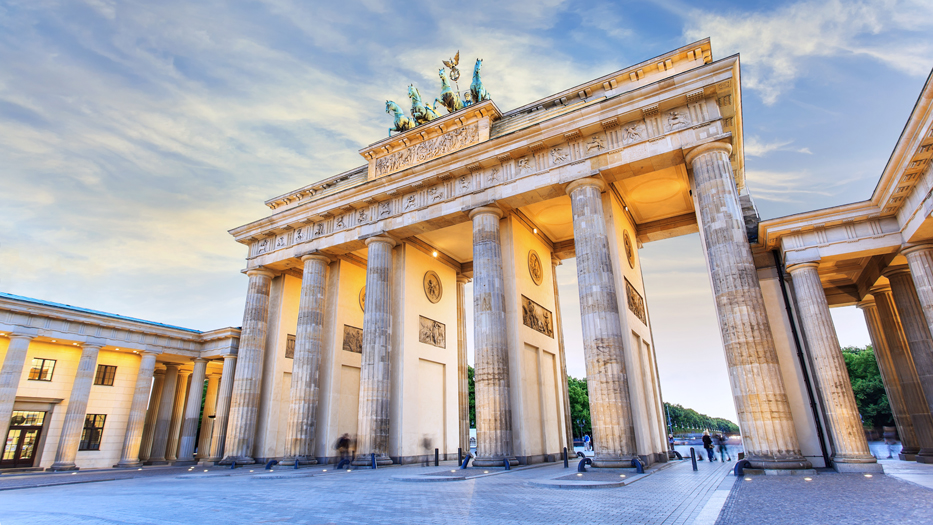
[507, 466]
[566, 459]
[693, 458]
[374, 461]
[459, 455]
[639, 468]
[233, 465]
[437, 458]
[296, 463]
[271, 463]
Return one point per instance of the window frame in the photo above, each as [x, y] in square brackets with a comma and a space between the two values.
[42, 367]
[101, 378]
[88, 443]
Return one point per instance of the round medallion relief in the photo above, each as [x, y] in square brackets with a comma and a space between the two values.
[535, 268]
[363, 298]
[432, 286]
[629, 252]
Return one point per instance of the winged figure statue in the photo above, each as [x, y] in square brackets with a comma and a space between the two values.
[452, 64]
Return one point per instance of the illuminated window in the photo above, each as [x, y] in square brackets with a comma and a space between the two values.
[41, 369]
[93, 430]
[105, 374]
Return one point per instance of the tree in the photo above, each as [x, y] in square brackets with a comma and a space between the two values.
[472, 397]
[689, 420]
[867, 386]
[579, 406]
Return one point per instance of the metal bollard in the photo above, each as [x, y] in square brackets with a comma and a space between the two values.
[270, 463]
[374, 460]
[459, 455]
[296, 463]
[507, 466]
[583, 463]
[466, 462]
[693, 458]
[437, 458]
[639, 468]
[740, 467]
[232, 465]
[566, 459]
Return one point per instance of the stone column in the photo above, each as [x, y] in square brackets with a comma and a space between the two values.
[603, 343]
[77, 409]
[189, 429]
[132, 438]
[178, 416]
[905, 427]
[913, 312]
[163, 422]
[152, 414]
[851, 453]
[914, 401]
[10, 374]
[299, 435]
[244, 405]
[768, 431]
[463, 367]
[490, 343]
[373, 425]
[210, 413]
[559, 328]
[222, 413]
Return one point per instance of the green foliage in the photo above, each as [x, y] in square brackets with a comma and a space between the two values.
[867, 386]
[689, 420]
[579, 406]
[472, 397]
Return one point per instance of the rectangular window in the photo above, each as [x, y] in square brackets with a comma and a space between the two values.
[41, 369]
[105, 375]
[93, 430]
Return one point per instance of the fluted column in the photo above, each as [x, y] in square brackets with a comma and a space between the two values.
[892, 387]
[152, 414]
[222, 413]
[559, 328]
[244, 404]
[603, 343]
[163, 422]
[851, 452]
[189, 429]
[768, 432]
[77, 409]
[299, 435]
[10, 374]
[903, 365]
[373, 424]
[490, 343]
[463, 377]
[210, 412]
[178, 416]
[132, 438]
[920, 260]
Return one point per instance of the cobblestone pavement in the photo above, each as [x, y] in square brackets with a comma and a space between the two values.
[673, 495]
[829, 498]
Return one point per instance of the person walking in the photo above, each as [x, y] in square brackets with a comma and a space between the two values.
[343, 448]
[586, 442]
[723, 450]
[708, 445]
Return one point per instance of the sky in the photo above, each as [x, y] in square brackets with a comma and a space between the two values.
[134, 135]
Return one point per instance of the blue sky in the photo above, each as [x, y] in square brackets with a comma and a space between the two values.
[136, 134]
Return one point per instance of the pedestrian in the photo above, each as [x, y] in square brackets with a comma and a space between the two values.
[343, 448]
[670, 441]
[586, 442]
[708, 445]
[426, 444]
[723, 450]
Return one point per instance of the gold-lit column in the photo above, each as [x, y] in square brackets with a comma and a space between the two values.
[133, 436]
[559, 328]
[189, 428]
[10, 374]
[178, 416]
[210, 414]
[222, 413]
[152, 414]
[163, 424]
[463, 379]
[77, 408]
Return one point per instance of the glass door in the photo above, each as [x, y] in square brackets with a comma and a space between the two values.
[19, 449]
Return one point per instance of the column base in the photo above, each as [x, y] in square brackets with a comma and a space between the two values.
[240, 460]
[129, 464]
[62, 467]
[780, 472]
[866, 467]
[923, 459]
[183, 462]
[779, 462]
[494, 461]
[302, 460]
[156, 462]
[364, 461]
[615, 461]
[907, 457]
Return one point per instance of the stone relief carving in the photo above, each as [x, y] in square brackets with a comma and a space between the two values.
[363, 298]
[319, 229]
[464, 183]
[290, 346]
[494, 176]
[677, 120]
[558, 155]
[436, 193]
[629, 251]
[534, 267]
[537, 317]
[361, 215]
[299, 235]
[280, 242]
[384, 209]
[427, 150]
[263, 246]
[338, 222]
[432, 332]
[632, 132]
[432, 286]
[410, 201]
[353, 339]
[524, 164]
[635, 302]
[596, 142]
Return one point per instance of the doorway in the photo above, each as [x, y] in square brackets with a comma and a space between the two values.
[22, 440]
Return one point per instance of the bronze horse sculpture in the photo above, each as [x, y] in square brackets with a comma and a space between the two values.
[449, 98]
[402, 123]
[419, 111]
[477, 91]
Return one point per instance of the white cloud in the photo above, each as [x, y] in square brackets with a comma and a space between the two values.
[776, 44]
[754, 147]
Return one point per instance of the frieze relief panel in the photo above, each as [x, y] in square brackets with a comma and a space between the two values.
[431, 332]
[427, 150]
[537, 317]
[636, 304]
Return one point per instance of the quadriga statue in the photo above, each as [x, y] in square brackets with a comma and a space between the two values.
[420, 112]
[449, 98]
[477, 90]
[402, 123]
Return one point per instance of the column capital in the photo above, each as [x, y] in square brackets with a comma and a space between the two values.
[381, 238]
[555, 260]
[315, 257]
[23, 332]
[253, 272]
[582, 183]
[491, 210]
[707, 148]
[158, 372]
[462, 279]
[791, 268]
[880, 289]
[170, 366]
[92, 345]
[867, 302]
[909, 248]
[149, 352]
[200, 360]
[229, 356]
[895, 270]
